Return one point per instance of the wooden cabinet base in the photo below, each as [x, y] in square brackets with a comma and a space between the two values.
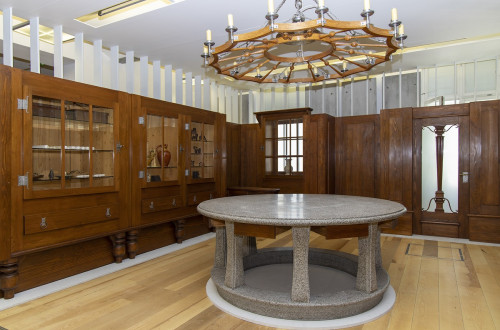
[39, 268]
[484, 229]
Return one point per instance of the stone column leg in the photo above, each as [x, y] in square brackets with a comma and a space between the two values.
[249, 245]
[234, 265]
[300, 283]
[378, 252]
[220, 247]
[366, 279]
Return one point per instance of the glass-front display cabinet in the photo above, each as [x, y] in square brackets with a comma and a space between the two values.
[202, 152]
[69, 145]
[162, 141]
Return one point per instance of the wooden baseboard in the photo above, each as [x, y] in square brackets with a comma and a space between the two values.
[484, 229]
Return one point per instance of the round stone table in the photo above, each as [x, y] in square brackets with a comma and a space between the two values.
[238, 220]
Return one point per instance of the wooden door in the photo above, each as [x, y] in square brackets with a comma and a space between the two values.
[443, 214]
[484, 221]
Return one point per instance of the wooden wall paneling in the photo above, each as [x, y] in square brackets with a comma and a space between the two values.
[396, 163]
[484, 218]
[357, 149]
[221, 156]
[233, 145]
[318, 164]
[5, 158]
[252, 170]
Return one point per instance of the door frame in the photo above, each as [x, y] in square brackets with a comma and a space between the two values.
[421, 117]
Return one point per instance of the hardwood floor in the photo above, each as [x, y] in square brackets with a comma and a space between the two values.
[439, 285]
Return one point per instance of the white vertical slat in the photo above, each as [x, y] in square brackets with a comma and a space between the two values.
[309, 95]
[497, 70]
[235, 105]
[197, 92]
[35, 44]
[58, 52]
[156, 79]
[228, 92]
[261, 99]
[367, 95]
[273, 98]
[221, 94]
[114, 65]
[214, 97]
[285, 95]
[98, 63]
[418, 86]
[383, 93]
[323, 105]
[168, 83]
[189, 88]
[455, 81]
[435, 83]
[144, 75]
[352, 96]
[129, 62]
[251, 106]
[400, 89]
[179, 86]
[206, 94]
[298, 91]
[339, 98]
[79, 75]
[475, 80]
[8, 47]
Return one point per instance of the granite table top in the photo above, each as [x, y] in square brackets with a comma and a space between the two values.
[301, 209]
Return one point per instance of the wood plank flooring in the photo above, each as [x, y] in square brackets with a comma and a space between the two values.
[439, 285]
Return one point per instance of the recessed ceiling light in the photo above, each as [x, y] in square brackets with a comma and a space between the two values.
[123, 10]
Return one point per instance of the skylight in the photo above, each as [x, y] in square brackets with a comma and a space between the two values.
[122, 11]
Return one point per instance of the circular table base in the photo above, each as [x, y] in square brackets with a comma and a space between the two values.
[379, 310]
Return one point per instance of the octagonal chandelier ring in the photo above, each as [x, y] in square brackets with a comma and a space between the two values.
[304, 51]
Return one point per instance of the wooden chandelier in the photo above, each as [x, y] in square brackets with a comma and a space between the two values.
[304, 51]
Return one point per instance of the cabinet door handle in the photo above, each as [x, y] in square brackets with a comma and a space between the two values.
[152, 206]
[43, 223]
[108, 212]
[173, 202]
[194, 198]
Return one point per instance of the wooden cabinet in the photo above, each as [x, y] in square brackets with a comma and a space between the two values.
[176, 162]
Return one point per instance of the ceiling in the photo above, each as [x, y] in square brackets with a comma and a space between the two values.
[175, 34]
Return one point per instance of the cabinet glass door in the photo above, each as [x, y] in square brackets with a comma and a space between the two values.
[202, 151]
[72, 144]
[46, 147]
[103, 147]
[162, 141]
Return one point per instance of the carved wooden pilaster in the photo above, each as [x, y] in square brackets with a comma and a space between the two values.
[118, 246]
[179, 230]
[439, 198]
[132, 243]
[9, 277]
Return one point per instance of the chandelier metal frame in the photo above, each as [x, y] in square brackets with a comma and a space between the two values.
[347, 48]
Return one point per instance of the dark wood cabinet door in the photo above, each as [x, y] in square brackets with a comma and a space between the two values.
[485, 171]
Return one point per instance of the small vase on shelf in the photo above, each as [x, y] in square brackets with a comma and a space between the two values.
[288, 167]
[163, 157]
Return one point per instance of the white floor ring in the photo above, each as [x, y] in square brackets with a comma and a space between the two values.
[382, 308]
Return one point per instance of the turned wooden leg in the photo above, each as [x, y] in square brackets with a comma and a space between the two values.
[132, 243]
[179, 230]
[118, 246]
[8, 277]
